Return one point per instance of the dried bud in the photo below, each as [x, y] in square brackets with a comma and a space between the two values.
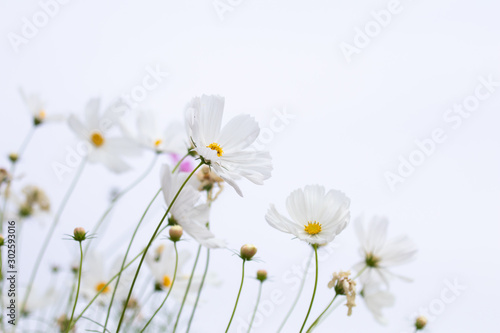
[420, 323]
[262, 275]
[2, 240]
[248, 251]
[79, 234]
[175, 233]
[13, 157]
[344, 286]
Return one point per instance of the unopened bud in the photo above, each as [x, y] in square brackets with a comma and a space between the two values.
[248, 251]
[79, 234]
[13, 157]
[175, 233]
[2, 240]
[262, 275]
[420, 323]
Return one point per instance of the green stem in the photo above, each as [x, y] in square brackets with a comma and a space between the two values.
[169, 291]
[51, 232]
[302, 283]
[359, 273]
[78, 287]
[118, 197]
[315, 246]
[187, 288]
[180, 162]
[239, 293]
[256, 307]
[321, 315]
[126, 255]
[199, 291]
[149, 245]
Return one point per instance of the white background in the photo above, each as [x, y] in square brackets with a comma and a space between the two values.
[352, 122]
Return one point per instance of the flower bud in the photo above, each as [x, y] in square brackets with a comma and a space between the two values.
[262, 275]
[420, 323]
[79, 234]
[13, 157]
[2, 240]
[175, 233]
[248, 251]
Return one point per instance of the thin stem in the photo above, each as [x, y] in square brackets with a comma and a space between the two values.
[239, 293]
[149, 245]
[360, 272]
[256, 307]
[315, 246]
[180, 162]
[78, 287]
[309, 261]
[187, 288]
[118, 197]
[51, 232]
[199, 291]
[126, 255]
[321, 315]
[169, 291]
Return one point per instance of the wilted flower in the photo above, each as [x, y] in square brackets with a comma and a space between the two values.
[225, 150]
[344, 286]
[379, 253]
[316, 217]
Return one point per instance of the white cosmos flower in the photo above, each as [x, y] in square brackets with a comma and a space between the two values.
[316, 217]
[96, 274]
[187, 212]
[102, 149]
[376, 299]
[226, 149]
[379, 253]
[35, 105]
[149, 135]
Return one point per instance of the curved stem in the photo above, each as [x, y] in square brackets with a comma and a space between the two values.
[315, 246]
[118, 197]
[169, 291]
[298, 294]
[239, 293]
[125, 257]
[51, 232]
[187, 288]
[180, 162]
[149, 245]
[199, 291]
[256, 307]
[321, 315]
[78, 287]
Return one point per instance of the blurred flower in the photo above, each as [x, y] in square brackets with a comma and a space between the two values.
[162, 264]
[186, 211]
[344, 286]
[148, 135]
[102, 149]
[225, 150]
[38, 299]
[31, 202]
[316, 217]
[37, 108]
[379, 253]
[376, 299]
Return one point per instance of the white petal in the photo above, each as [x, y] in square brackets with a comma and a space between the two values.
[92, 114]
[77, 126]
[239, 133]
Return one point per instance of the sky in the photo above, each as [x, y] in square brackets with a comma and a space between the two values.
[395, 103]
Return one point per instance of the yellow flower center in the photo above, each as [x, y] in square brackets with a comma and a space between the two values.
[97, 139]
[312, 228]
[41, 114]
[167, 282]
[101, 286]
[215, 146]
[158, 142]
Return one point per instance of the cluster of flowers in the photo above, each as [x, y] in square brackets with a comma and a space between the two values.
[224, 156]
